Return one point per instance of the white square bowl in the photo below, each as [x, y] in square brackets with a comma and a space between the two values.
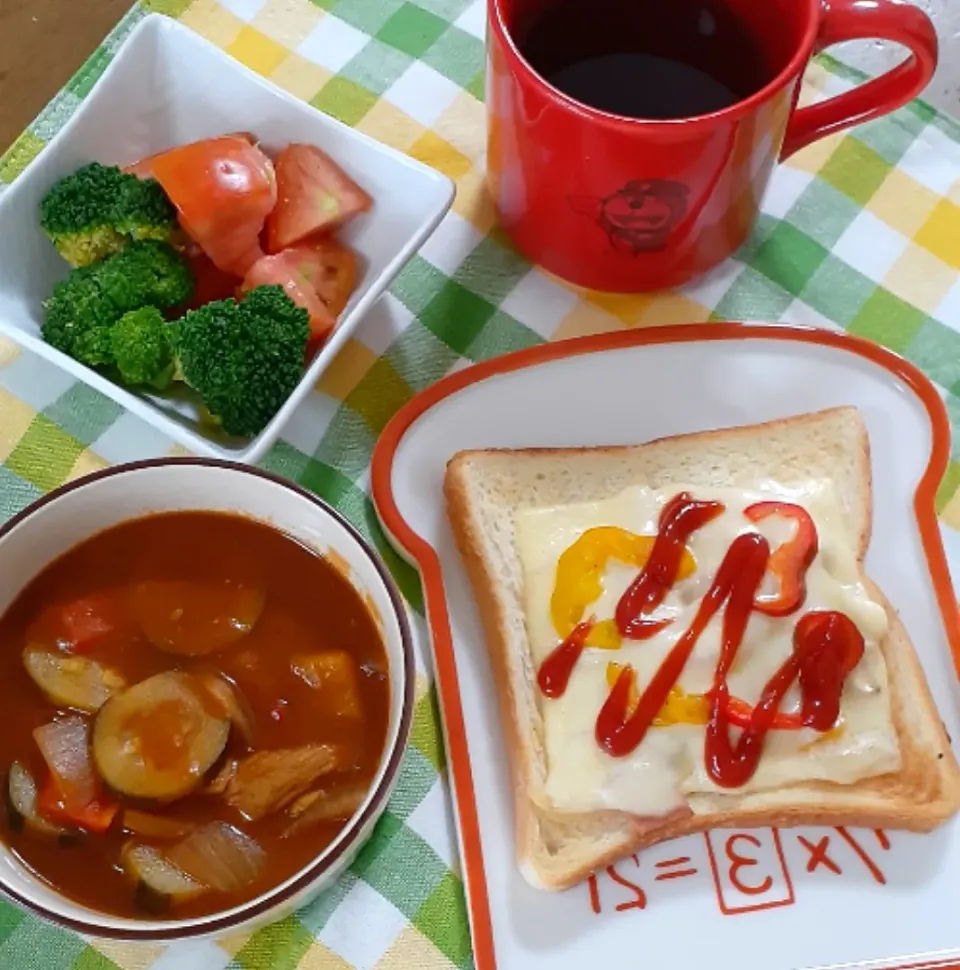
[166, 87]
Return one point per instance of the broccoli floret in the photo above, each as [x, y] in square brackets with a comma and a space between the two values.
[140, 341]
[144, 211]
[244, 359]
[78, 318]
[83, 309]
[146, 273]
[98, 210]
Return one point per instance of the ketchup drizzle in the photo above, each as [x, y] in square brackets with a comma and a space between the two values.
[737, 579]
[826, 646]
[680, 518]
[554, 673]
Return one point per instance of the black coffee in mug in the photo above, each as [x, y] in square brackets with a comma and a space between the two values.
[655, 59]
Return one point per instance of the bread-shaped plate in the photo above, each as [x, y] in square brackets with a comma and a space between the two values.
[763, 899]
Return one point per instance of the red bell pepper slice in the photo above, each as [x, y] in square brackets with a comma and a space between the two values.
[789, 562]
[740, 714]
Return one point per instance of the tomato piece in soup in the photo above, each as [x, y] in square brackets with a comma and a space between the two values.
[76, 625]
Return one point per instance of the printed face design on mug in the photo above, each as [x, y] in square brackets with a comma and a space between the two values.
[638, 217]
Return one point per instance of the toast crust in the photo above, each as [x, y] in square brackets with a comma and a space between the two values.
[557, 850]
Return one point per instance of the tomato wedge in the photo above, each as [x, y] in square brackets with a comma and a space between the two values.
[223, 188]
[211, 283]
[332, 271]
[319, 276]
[292, 270]
[313, 195]
[143, 167]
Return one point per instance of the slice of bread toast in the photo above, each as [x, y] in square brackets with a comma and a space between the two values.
[484, 489]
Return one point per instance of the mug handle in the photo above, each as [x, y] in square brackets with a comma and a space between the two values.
[867, 19]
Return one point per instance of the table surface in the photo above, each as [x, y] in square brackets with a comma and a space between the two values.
[42, 42]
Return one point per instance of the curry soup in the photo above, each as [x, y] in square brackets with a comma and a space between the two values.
[194, 704]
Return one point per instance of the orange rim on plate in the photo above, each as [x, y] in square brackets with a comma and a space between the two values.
[424, 556]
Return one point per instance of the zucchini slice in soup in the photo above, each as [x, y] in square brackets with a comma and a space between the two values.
[159, 884]
[72, 681]
[158, 738]
[22, 808]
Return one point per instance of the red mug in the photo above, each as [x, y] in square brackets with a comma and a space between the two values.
[630, 205]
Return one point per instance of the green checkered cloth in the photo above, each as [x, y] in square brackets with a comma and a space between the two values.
[860, 233]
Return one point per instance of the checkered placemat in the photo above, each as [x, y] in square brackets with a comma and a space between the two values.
[859, 232]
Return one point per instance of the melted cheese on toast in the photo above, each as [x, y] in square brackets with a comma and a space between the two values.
[668, 765]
